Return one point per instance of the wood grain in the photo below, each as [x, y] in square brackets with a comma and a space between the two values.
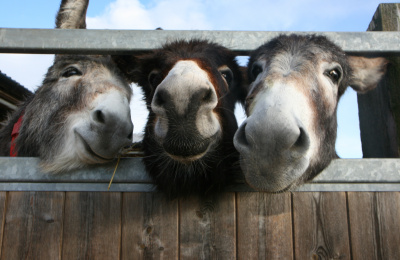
[320, 225]
[92, 227]
[374, 223]
[3, 197]
[149, 227]
[33, 225]
[264, 226]
[208, 227]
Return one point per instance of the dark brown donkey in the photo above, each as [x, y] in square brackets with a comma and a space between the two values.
[190, 88]
[79, 116]
[296, 83]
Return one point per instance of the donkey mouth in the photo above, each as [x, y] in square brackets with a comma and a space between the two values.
[89, 151]
[187, 152]
[187, 159]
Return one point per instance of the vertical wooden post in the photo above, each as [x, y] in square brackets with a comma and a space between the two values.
[379, 109]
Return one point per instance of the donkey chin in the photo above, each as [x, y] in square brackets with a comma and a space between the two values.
[191, 149]
[269, 176]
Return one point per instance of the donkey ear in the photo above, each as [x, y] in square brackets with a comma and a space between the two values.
[367, 72]
[72, 14]
[128, 64]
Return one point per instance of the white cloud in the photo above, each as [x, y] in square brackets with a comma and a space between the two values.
[175, 14]
[27, 69]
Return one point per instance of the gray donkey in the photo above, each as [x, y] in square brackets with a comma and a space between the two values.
[296, 83]
[79, 116]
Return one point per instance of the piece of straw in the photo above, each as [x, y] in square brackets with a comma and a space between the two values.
[115, 170]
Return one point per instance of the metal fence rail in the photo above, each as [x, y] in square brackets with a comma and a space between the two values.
[50, 41]
[23, 174]
[18, 174]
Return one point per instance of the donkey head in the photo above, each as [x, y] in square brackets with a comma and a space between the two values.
[296, 82]
[191, 88]
[80, 115]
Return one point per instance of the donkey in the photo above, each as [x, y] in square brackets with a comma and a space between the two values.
[80, 115]
[190, 88]
[296, 83]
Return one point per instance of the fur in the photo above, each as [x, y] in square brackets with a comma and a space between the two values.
[292, 73]
[66, 103]
[218, 167]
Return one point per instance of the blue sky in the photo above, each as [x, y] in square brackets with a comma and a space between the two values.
[268, 15]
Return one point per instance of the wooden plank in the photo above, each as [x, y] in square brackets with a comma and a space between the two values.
[208, 227]
[379, 109]
[320, 225]
[264, 226]
[362, 218]
[149, 227]
[374, 223]
[92, 226]
[3, 208]
[33, 225]
[389, 224]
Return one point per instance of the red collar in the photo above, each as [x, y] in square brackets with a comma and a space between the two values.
[14, 135]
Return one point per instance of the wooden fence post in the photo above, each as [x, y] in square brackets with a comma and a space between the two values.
[379, 109]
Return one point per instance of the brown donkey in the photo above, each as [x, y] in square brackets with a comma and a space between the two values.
[79, 116]
[190, 88]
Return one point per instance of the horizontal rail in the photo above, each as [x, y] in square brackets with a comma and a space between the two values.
[23, 174]
[51, 41]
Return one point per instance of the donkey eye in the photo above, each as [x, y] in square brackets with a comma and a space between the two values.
[71, 71]
[334, 75]
[227, 75]
[155, 78]
[255, 70]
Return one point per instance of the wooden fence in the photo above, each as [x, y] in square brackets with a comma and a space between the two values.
[350, 211]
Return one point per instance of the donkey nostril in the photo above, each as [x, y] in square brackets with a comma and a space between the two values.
[240, 136]
[99, 116]
[207, 97]
[159, 99]
[130, 136]
[303, 141]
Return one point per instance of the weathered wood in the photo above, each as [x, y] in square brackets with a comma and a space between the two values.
[264, 226]
[33, 225]
[320, 225]
[374, 223]
[3, 197]
[149, 227]
[379, 109]
[92, 226]
[208, 227]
